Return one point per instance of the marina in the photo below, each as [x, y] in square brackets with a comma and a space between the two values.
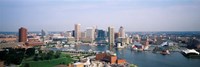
[146, 58]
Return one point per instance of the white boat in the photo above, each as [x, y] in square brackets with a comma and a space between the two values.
[190, 51]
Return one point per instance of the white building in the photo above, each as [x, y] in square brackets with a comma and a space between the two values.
[77, 31]
[121, 32]
[111, 38]
[90, 33]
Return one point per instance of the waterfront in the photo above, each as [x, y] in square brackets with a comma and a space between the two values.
[147, 58]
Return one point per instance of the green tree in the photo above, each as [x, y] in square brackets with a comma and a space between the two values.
[49, 55]
[57, 54]
[35, 58]
[30, 52]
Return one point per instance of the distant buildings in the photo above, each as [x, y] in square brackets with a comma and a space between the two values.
[69, 33]
[116, 35]
[101, 35]
[77, 32]
[111, 38]
[121, 32]
[43, 33]
[22, 34]
[83, 35]
[73, 33]
[90, 33]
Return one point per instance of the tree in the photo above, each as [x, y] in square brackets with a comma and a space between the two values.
[30, 52]
[132, 65]
[49, 55]
[35, 58]
[42, 56]
[57, 54]
[26, 65]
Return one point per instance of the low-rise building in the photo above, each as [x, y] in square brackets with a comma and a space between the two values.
[108, 57]
[121, 61]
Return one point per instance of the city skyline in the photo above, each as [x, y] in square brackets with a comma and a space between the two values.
[133, 15]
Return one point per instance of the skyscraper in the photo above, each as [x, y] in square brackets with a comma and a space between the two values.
[90, 33]
[111, 37]
[43, 33]
[22, 34]
[116, 35]
[77, 32]
[73, 33]
[101, 33]
[121, 32]
[83, 35]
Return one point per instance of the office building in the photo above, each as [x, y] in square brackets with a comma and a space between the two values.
[121, 32]
[73, 33]
[90, 33]
[83, 35]
[44, 33]
[77, 32]
[116, 35]
[101, 35]
[111, 39]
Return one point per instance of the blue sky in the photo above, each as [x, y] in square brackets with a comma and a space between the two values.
[134, 15]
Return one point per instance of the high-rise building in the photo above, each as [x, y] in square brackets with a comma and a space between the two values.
[83, 35]
[73, 33]
[95, 32]
[101, 34]
[43, 33]
[90, 33]
[22, 34]
[111, 39]
[77, 32]
[121, 32]
[116, 35]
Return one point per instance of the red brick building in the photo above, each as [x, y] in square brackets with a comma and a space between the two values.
[121, 61]
[100, 56]
[111, 58]
[22, 34]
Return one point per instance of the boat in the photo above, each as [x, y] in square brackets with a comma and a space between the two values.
[165, 52]
[190, 53]
[137, 47]
[134, 47]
